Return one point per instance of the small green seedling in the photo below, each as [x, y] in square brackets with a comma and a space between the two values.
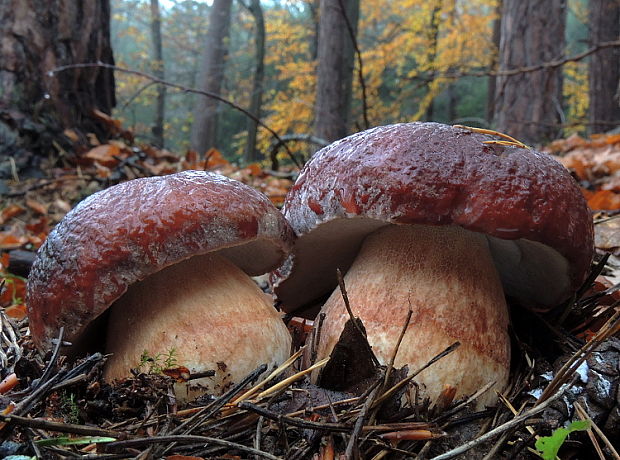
[548, 446]
[156, 364]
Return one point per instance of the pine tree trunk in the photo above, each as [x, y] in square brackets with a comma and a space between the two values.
[38, 36]
[204, 129]
[333, 72]
[604, 68]
[158, 70]
[251, 154]
[529, 104]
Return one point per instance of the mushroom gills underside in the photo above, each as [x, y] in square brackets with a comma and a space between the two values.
[532, 273]
[447, 277]
[203, 313]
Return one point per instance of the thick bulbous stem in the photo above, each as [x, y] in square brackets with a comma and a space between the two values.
[208, 313]
[446, 276]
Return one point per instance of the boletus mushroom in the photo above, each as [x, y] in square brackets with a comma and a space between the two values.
[444, 221]
[164, 264]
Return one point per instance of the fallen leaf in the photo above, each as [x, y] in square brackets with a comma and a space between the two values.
[10, 241]
[607, 233]
[603, 200]
[17, 311]
[11, 211]
[180, 374]
[104, 155]
[37, 207]
[215, 158]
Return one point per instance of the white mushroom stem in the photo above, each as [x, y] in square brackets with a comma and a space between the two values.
[446, 276]
[208, 312]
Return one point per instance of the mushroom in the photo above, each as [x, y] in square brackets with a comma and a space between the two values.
[165, 262]
[442, 220]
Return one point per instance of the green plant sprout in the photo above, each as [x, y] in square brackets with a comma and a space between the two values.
[548, 446]
[156, 364]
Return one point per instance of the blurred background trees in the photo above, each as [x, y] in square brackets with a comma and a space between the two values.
[293, 63]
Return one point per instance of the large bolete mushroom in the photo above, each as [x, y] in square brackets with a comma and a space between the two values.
[164, 262]
[441, 220]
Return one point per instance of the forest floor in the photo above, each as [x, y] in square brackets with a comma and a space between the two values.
[566, 363]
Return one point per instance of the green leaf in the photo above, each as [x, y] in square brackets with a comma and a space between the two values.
[548, 446]
[67, 441]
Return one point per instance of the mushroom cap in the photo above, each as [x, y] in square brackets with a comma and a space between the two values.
[125, 233]
[537, 222]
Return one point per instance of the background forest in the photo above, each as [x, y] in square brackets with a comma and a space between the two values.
[421, 60]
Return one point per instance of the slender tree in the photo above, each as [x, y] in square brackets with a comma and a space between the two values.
[38, 37]
[334, 70]
[432, 36]
[256, 98]
[604, 66]
[529, 104]
[159, 72]
[210, 77]
[497, 27]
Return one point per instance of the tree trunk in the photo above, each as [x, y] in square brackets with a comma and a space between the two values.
[38, 36]
[432, 35]
[158, 71]
[334, 69]
[529, 104]
[604, 67]
[210, 78]
[497, 27]
[251, 154]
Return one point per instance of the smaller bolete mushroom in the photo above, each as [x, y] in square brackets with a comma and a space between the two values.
[441, 220]
[165, 262]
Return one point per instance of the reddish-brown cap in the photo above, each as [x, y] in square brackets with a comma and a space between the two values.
[538, 224]
[127, 232]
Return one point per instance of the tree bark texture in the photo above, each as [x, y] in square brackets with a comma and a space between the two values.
[40, 35]
[159, 71]
[497, 27]
[335, 68]
[604, 66]
[529, 104]
[204, 129]
[432, 36]
[256, 98]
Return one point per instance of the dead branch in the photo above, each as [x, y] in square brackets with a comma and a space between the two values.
[186, 89]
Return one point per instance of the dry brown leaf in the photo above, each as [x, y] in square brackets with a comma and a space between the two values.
[10, 211]
[602, 200]
[104, 155]
[37, 207]
[10, 241]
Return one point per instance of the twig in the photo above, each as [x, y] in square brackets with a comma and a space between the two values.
[569, 368]
[359, 423]
[396, 348]
[410, 377]
[259, 428]
[52, 362]
[190, 424]
[464, 404]
[584, 416]
[354, 320]
[186, 89]
[271, 415]
[286, 382]
[190, 439]
[502, 428]
[61, 427]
